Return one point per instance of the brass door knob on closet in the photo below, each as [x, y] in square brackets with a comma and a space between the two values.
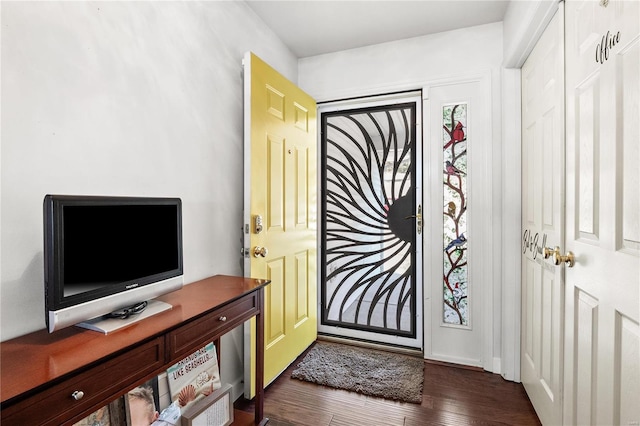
[558, 257]
[568, 258]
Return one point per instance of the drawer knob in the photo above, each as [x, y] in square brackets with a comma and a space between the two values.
[77, 395]
[223, 318]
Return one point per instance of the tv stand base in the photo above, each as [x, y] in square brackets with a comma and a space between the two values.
[106, 325]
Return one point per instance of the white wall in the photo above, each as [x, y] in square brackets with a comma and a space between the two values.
[409, 64]
[404, 63]
[124, 98]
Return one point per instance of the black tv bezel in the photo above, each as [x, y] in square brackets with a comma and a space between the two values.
[53, 236]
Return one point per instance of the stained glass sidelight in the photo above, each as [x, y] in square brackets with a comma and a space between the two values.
[455, 274]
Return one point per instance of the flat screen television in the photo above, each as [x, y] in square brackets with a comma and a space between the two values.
[106, 254]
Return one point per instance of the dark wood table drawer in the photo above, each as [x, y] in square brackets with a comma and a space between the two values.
[100, 383]
[190, 337]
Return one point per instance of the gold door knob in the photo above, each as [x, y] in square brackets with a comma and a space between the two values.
[260, 251]
[568, 258]
[548, 251]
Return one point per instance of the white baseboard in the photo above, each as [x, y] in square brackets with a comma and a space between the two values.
[497, 366]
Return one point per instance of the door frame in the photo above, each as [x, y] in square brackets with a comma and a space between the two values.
[489, 274]
[532, 19]
[388, 98]
[481, 258]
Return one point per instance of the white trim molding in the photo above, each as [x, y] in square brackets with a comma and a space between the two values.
[523, 24]
[511, 224]
[481, 223]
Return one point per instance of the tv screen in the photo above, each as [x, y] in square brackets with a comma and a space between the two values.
[107, 253]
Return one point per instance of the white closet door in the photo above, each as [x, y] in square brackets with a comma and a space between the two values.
[602, 363]
[543, 223]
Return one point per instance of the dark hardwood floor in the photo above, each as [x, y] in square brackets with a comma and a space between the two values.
[451, 396]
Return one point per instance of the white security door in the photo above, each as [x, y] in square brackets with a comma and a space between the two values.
[602, 362]
[542, 223]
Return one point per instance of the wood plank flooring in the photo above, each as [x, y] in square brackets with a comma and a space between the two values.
[451, 396]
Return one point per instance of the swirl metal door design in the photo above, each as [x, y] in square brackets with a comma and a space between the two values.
[371, 222]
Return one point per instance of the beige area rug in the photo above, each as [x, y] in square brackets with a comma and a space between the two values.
[367, 371]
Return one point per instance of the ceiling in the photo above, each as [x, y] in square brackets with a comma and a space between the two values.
[315, 27]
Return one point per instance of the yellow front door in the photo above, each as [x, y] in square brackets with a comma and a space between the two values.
[280, 213]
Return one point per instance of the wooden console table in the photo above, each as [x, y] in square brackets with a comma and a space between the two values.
[41, 371]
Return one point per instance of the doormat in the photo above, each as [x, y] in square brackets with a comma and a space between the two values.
[367, 371]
